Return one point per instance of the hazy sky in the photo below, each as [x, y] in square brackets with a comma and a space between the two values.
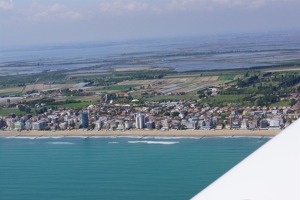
[50, 21]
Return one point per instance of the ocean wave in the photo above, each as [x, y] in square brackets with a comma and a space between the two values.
[224, 136]
[153, 142]
[104, 136]
[77, 136]
[255, 137]
[25, 137]
[174, 137]
[113, 142]
[129, 136]
[60, 143]
[50, 137]
[10, 137]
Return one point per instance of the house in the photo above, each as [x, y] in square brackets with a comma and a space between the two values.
[274, 124]
[236, 124]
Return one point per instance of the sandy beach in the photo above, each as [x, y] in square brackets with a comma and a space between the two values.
[170, 133]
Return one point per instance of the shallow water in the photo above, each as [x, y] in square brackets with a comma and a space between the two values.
[115, 168]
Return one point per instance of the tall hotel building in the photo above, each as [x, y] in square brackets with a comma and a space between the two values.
[140, 120]
[85, 119]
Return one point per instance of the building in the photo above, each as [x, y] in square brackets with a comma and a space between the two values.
[236, 124]
[63, 125]
[275, 124]
[99, 125]
[252, 125]
[28, 125]
[19, 126]
[2, 123]
[264, 124]
[165, 124]
[120, 126]
[85, 119]
[39, 125]
[189, 124]
[150, 125]
[244, 124]
[140, 120]
[10, 124]
[128, 125]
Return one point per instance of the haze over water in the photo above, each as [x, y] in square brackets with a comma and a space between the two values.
[115, 168]
[180, 54]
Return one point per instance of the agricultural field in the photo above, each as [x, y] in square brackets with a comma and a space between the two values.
[226, 98]
[80, 105]
[72, 76]
[188, 96]
[227, 77]
[284, 69]
[14, 91]
[281, 103]
[8, 111]
[158, 85]
[42, 87]
[175, 85]
[128, 69]
[117, 87]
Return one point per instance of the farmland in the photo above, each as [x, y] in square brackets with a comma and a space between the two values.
[247, 87]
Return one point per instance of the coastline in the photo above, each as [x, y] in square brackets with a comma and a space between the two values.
[149, 133]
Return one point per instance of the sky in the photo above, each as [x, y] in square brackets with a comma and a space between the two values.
[64, 21]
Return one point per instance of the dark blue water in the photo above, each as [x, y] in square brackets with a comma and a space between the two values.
[115, 168]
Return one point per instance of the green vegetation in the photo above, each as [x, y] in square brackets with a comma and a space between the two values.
[8, 111]
[80, 105]
[281, 103]
[227, 77]
[223, 100]
[250, 87]
[22, 80]
[116, 77]
[188, 96]
[259, 89]
[7, 94]
[120, 87]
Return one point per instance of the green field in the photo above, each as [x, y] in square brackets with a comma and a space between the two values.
[227, 77]
[228, 98]
[267, 84]
[189, 96]
[224, 99]
[119, 87]
[8, 111]
[80, 105]
[280, 103]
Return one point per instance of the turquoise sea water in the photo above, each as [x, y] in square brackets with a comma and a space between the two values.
[116, 168]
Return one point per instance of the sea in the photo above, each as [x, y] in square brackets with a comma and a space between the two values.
[99, 167]
[179, 54]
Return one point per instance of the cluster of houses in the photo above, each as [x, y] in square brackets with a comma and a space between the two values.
[168, 115]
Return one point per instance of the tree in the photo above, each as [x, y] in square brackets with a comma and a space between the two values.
[293, 102]
[208, 92]
[21, 108]
[181, 127]
[27, 110]
[166, 114]
[175, 114]
[201, 96]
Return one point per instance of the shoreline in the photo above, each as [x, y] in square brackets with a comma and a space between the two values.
[145, 133]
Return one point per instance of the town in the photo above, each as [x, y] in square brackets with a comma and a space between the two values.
[179, 115]
[248, 101]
